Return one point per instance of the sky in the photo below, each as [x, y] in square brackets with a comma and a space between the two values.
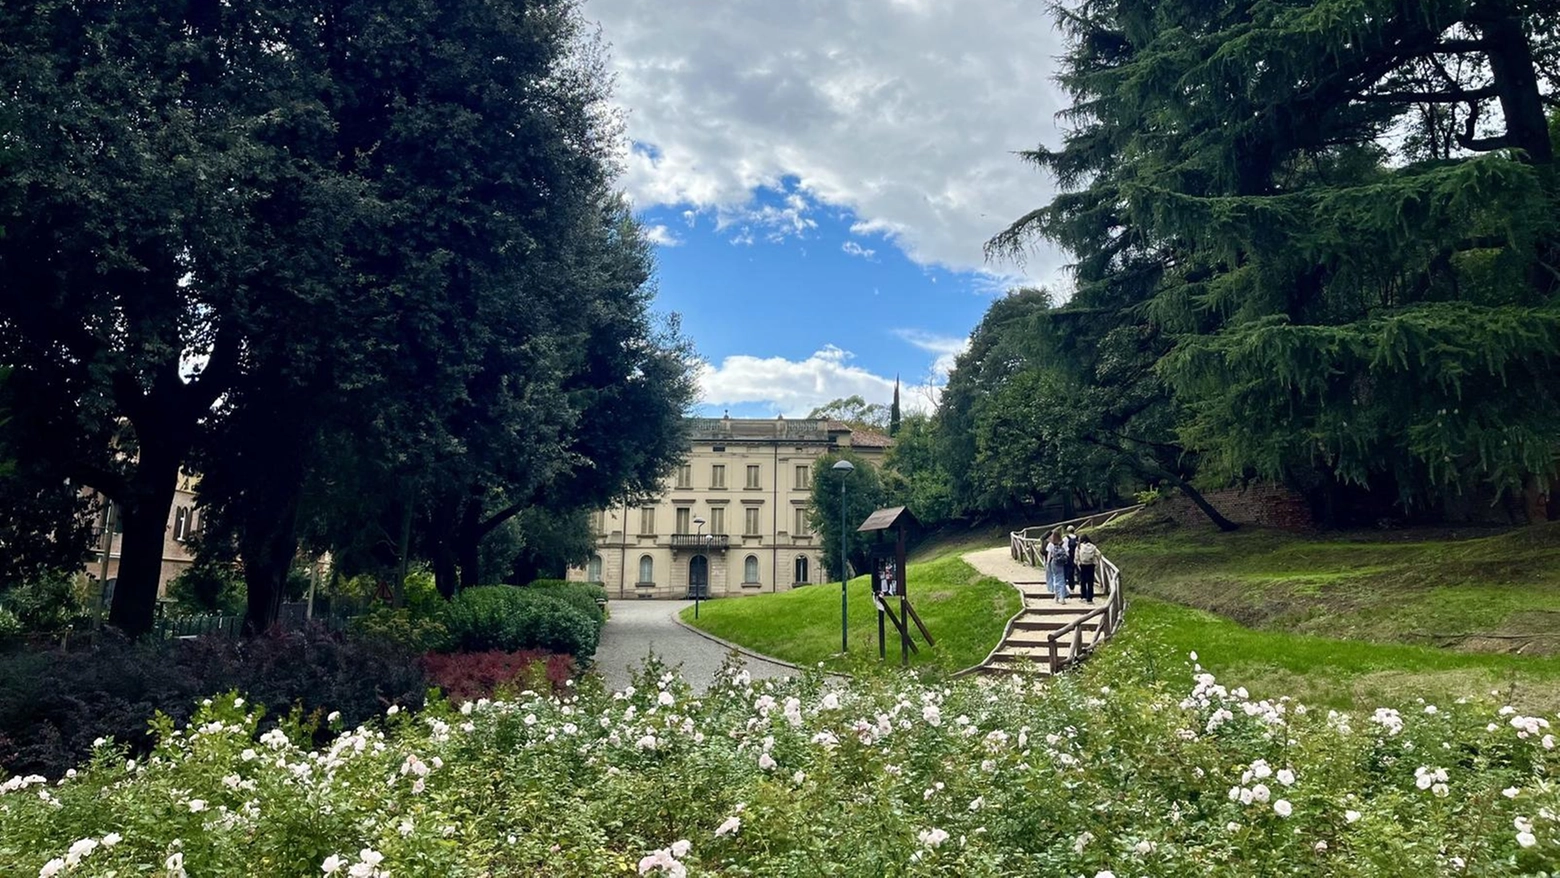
[819, 177]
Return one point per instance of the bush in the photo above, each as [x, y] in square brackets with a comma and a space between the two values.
[470, 675]
[51, 603]
[209, 587]
[54, 704]
[501, 617]
[401, 629]
[588, 596]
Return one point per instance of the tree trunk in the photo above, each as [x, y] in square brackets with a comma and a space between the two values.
[1202, 503]
[268, 553]
[1516, 82]
[468, 545]
[446, 575]
[144, 512]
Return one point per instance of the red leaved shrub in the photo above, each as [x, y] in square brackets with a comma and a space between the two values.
[467, 675]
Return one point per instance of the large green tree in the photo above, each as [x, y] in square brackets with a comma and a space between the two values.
[863, 493]
[1339, 216]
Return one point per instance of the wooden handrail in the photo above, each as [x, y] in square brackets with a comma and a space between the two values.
[1110, 616]
[1021, 544]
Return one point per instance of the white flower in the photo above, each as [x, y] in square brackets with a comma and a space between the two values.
[1106, 873]
[766, 762]
[680, 847]
[392, 710]
[1320, 846]
[931, 838]
[248, 755]
[52, 868]
[112, 839]
[932, 714]
[336, 714]
[1286, 777]
[371, 856]
[175, 864]
[729, 827]
[1282, 808]
[1351, 815]
[1510, 792]
[1526, 839]
[977, 803]
[799, 777]
[332, 864]
[831, 701]
[665, 699]
[197, 805]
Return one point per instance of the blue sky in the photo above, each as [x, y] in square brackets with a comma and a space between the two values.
[820, 176]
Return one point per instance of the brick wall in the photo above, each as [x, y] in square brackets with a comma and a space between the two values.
[1266, 505]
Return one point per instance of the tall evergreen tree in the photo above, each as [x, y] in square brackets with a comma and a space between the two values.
[893, 411]
[1341, 217]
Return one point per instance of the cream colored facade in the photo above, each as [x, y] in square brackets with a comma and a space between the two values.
[178, 555]
[750, 481]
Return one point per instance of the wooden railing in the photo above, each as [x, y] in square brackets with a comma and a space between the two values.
[1065, 646]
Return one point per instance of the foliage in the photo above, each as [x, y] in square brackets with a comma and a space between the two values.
[856, 413]
[400, 628]
[51, 602]
[208, 586]
[10, 624]
[915, 473]
[863, 493]
[965, 612]
[1335, 269]
[976, 777]
[506, 618]
[54, 704]
[467, 676]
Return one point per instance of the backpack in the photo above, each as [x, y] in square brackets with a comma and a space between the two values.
[1088, 553]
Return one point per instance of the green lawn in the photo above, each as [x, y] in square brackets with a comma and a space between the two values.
[1476, 591]
[964, 611]
[1330, 672]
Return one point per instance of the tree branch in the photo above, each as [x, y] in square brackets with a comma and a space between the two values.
[1457, 96]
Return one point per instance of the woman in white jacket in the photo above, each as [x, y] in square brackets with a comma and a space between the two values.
[1086, 559]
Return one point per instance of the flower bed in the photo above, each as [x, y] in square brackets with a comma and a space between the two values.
[812, 777]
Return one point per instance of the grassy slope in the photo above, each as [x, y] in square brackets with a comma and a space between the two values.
[1494, 592]
[1351, 620]
[964, 611]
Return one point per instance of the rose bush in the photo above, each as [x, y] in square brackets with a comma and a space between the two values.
[1089, 775]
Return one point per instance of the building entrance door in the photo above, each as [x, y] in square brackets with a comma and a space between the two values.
[698, 577]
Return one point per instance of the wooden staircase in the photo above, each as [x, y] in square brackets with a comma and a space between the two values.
[1049, 637]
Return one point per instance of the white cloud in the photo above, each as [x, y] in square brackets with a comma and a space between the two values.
[905, 112]
[855, 249]
[661, 236]
[947, 348]
[795, 387]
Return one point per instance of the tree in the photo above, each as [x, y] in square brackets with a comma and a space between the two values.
[856, 413]
[1337, 300]
[914, 473]
[863, 494]
[893, 411]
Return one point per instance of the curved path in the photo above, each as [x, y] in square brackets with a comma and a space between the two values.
[637, 628]
[1025, 644]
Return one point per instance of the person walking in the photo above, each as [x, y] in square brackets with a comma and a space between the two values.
[1056, 566]
[1086, 558]
[1071, 542]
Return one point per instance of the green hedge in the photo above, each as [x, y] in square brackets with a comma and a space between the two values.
[507, 618]
[588, 596]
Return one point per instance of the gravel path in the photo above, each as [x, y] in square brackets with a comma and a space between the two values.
[637, 628]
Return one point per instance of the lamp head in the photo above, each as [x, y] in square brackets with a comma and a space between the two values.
[843, 466]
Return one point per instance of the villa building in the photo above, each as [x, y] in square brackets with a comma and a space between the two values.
[733, 518]
[178, 553]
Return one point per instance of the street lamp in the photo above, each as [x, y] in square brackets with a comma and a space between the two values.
[844, 468]
[698, 538]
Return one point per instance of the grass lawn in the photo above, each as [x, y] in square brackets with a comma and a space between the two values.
[964, 611]
[1321, 671]
[1473, 591]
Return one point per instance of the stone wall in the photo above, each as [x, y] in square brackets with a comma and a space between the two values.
[1266, 505]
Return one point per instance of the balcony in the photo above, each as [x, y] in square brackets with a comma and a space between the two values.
[707, 542]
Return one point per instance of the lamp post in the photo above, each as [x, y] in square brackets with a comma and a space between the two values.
[698, 521]
[844, 468]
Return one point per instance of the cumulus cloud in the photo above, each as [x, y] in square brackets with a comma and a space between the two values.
[661, 236]
[791, 387]
[855, 249]
[904, 112]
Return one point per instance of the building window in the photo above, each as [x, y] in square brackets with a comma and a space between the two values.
[717, 520]
[750, 569]
[181, 523]
[750, 516]
[752, 476]
[801, 523]
[801, 569]
[593, 572]
[646, 570]
[646, 521]
[684, 525]
[685, 476]
[718, 475]
[803, 478]
[599, 520]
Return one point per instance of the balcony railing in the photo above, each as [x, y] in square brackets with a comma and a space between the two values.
[700, 541]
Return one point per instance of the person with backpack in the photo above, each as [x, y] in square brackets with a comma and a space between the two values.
[1086, 559]
[1056, 566]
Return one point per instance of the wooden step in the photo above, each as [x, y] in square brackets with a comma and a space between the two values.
[1051, 623]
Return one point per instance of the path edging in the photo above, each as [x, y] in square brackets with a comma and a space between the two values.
[676, 616]
[1007, 632]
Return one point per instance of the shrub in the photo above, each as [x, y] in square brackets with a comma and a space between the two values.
[50, 603]
[10, 625]
[505, 618]
[54, 704]
[470, 675]
[209, 586]
[588, 596]
[400, 628]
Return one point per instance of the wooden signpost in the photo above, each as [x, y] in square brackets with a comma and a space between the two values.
[888, 582]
